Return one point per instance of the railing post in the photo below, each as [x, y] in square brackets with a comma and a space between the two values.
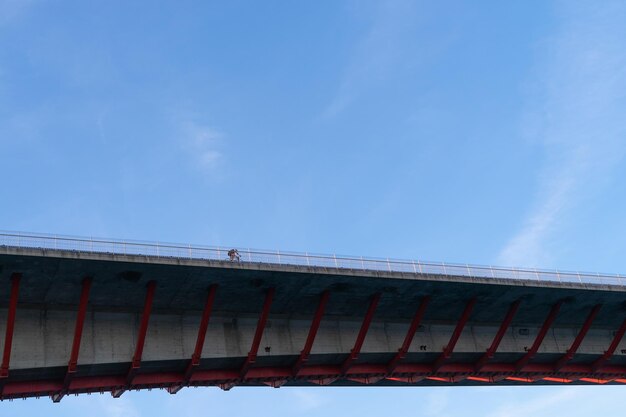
[444, 268]
[388, 265]
[249, 255]
[469, 274]
[335, 257]
[414, 270]
[278, 253]
[362, 263]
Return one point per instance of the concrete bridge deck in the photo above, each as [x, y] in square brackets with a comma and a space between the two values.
[79, 321]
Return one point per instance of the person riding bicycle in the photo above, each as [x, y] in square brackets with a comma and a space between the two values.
[233, 254]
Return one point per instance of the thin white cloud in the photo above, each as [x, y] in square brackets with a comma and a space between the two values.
[307, 399]
[578, 119]
[202, 142]
[539, 405]
[100, 123]
[121, 407]
[377, 54]
[437, 402]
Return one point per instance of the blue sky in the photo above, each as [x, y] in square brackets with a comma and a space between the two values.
[477, 132]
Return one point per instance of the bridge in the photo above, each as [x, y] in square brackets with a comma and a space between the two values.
[82, 315]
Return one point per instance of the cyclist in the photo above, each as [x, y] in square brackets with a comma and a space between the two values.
[233, 255]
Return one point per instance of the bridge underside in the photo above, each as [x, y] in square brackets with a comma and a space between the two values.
[78, 323]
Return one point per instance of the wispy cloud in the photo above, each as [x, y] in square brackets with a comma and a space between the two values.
[376, 55]
[533, 405]
[123, 407]
[577, 116]
[202, 143]
[437, 401]
[307, 399]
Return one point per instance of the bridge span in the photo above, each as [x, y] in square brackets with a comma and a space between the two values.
[84, 315]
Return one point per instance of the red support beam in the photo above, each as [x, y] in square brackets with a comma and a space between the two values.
[540, 336]
[78, 334]
[406, 379]
[8, 337]
[365, 380]
[204, 324]
[141, 339]
[197, 352]
[417, 318]
[143, 327]
[598, 363]
[315, 324]
[504, 326]
[256, 341]
[354, 353]
[579, 339]
[447, 351]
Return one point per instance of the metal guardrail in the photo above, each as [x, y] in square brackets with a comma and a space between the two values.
[169, 250]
